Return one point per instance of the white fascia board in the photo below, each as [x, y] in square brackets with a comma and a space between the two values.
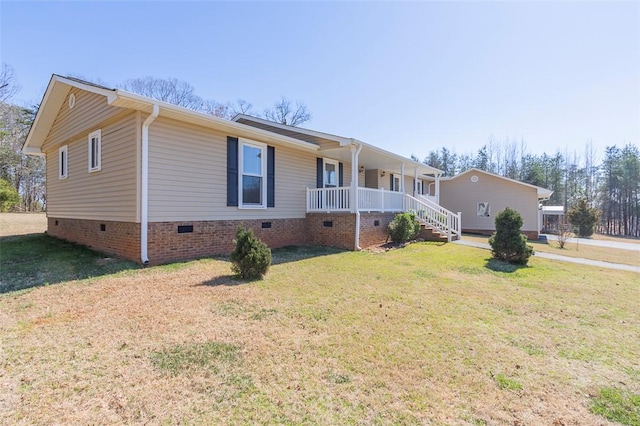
[47, 113]
[110, 94]
[210, 120]
[32, 151]
[424, 169]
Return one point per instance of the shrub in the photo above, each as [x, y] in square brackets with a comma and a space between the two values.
[583, 217]
[404, 227]
[508, 243]
[250, 257]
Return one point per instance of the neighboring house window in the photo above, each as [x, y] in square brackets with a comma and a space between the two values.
[63, 162]
[484, 209]
[95, 151]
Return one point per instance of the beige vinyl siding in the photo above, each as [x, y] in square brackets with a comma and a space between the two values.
[90, 112]
[108, 194]
[462, 195]
[188, 176]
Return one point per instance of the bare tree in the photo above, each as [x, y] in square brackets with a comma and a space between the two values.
[214, 108]
[241, 107]
[284, 112]
[169, 90]
[8, 84]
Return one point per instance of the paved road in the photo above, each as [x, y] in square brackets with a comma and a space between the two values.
[601, 243]
[578, 260]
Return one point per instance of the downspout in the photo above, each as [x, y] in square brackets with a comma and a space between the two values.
[144, 185]
[355, 152]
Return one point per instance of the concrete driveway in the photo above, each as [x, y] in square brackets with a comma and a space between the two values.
[579, 260]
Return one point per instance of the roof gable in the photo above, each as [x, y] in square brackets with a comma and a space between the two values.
[542, 192]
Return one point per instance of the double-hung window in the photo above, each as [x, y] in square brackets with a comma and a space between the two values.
[63, 162]
[95, 151]
[252, 175]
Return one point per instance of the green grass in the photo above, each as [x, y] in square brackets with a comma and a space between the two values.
[507, 383]
[618, 405]
[35, 260]
[198, 356]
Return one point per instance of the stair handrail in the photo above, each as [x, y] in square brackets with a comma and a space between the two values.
[434, 215]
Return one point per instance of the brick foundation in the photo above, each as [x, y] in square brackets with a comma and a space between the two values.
[341, 233]
[215, 237]
[118, 238]
[332, 229]
[372, 234]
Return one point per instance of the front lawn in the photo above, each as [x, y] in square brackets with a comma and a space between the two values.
[428, 334]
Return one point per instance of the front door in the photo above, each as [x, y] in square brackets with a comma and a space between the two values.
[330, 181]
[330, 173]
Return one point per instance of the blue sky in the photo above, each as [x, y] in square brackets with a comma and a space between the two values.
[406, 76]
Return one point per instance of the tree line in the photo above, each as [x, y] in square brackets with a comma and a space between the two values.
[611, 184]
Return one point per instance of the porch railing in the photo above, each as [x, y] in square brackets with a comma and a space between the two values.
[328, 199]
[435, 216]
[379, 200]
[382, 200]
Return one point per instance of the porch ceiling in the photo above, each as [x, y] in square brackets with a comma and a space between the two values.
[372, 157]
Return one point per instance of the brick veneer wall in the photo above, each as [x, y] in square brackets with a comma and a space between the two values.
[216, 237]
[370, 233]
[208, 238]
[340, 234]
[118, 238]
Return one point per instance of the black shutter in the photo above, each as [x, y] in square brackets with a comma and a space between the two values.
[271, 176]
[232, 171]
[340, 174]
[391, 182]
[319, 172]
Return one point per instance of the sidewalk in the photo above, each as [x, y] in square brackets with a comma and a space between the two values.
[587, 242]
[579, 260]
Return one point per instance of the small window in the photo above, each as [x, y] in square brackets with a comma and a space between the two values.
[484, 209]
[95, 148]
[63, 162]
[252, 176]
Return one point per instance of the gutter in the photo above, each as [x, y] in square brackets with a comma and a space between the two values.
[355, 152]
[144, 186]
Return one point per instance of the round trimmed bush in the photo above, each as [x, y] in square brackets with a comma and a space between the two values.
[508, 243]
[404, 227]
[251, 257]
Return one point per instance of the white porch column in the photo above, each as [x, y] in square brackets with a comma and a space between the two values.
[355, 152]
[437, 194]
[402, 178]
[415, 182]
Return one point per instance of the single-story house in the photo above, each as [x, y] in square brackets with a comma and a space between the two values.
[154, 182]
[479, 195]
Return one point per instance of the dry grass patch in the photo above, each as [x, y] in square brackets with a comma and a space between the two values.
[22, 223]
[427, 334]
